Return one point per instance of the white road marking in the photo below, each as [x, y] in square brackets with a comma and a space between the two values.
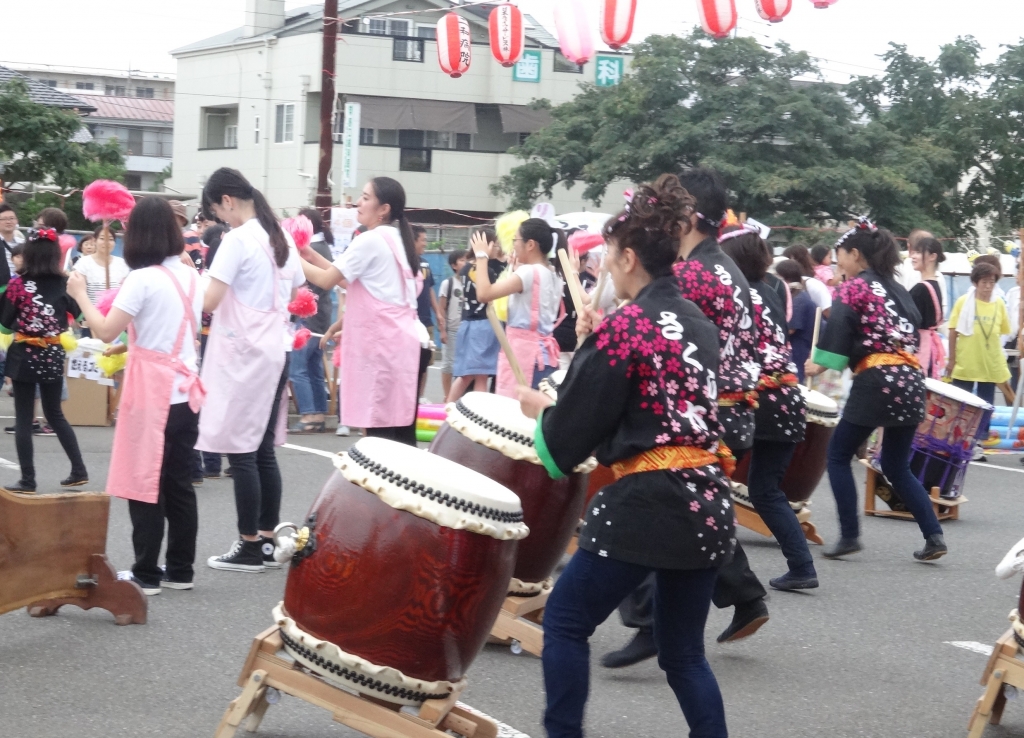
[308, 450]
[982, 648]
[9, 465]
[996, 466]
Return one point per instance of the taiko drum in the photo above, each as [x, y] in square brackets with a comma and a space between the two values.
[407, 565]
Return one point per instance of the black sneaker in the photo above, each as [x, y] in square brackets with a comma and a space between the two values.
[747, 619]
[229, 472]
[789, 582]
[843, 547]
[37, 427]
[211, 475]
[147, 589]
[934, 548]
[25, 488]
[43, 430]
[75, 480]
[244, 556]
[267, 546]
[639, 649]
[197, 480]
[171, 584]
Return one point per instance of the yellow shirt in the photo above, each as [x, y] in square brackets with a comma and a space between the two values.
[978, 359]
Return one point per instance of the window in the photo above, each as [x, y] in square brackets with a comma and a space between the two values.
[135, 142]
[407, 49]
[133, 182]
[427, 32]
[143, 92]
[378, 27]
[523, 137]
[564, 65]
[366, 137]
[215, 123]
[231, 137]
[83, 85]
[256, 129]
[49, 82]
[115, 90]
[414, 160]
[399, 28]
[463, 142]
[285, 130]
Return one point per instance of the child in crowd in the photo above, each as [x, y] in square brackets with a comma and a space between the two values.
[18, 258]
[451, 307]
[821, 257]
[35, 308]
[801, 324]
[535, 293]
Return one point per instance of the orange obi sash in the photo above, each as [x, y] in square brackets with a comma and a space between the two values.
[900, 358]
[40, 341]
[675, 457]
[777, 381]
[732, 399]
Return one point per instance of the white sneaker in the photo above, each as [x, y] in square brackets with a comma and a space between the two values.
[979, 454]
[127, 576]
[343, 430]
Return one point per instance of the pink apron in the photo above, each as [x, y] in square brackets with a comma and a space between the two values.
[526, 345]
[138, 453]
[932, 353]
[380, 356]
[245, 355]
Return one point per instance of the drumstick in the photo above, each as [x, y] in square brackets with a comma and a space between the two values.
[506, 346]
[573, 280]
[814, 342]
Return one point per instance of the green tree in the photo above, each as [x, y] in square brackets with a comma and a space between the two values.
[37, 146]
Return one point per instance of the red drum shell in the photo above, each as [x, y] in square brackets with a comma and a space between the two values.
[551, 508]
[396, 589]
[600, 478]
[805, 471]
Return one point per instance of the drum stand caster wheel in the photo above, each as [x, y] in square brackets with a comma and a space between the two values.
[516, 647]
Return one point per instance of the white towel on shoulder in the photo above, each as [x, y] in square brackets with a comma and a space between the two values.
[965, 324]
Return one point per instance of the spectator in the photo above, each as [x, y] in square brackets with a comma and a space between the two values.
[306, 369]
[425, 303]
[85, 247]
[451, 307]
[102, 270]
[801, 326]
[816, 290]
[821, 257]
[193, 243]
[52, 218]
[10, 237]
[925, 257]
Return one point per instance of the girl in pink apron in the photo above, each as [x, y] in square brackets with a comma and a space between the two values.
[926, 254]
[535, 293]
[380, 347]
[245, 367]
[157, 424]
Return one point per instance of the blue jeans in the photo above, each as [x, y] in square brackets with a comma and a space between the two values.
[307, 374]
[987, 392]
[768, 463]
[896, 443]
[585, 594]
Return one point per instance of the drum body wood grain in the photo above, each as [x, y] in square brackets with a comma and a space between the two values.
[551, 508]
[396, 589]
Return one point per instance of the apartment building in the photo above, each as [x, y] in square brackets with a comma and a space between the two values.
[96, 81]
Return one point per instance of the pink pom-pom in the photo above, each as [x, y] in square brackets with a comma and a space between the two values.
[107, 200]
[105, 301]
[300, 229]
[304, 305]
[584, 242]
[302, 337]
[67, 242]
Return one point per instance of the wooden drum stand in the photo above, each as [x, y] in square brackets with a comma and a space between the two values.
[520, 622]
[946, 508]
[747, 516]
[269, 670]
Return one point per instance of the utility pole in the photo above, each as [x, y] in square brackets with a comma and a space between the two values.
[327, 97]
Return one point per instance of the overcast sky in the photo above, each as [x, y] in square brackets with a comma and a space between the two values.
[849, 35]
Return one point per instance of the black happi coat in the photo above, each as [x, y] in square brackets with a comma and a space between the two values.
[646, 378]
[781, 413]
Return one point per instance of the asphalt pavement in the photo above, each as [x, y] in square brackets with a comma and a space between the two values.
[868, 655]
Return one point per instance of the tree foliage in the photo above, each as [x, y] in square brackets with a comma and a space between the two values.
[37, 146]
[795, 149]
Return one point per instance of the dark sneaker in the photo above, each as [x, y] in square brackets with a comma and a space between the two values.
[746, 620]
[211, 475]
[43, 430]
[197, 480]
[267, 546]
[147, 589]
[934, 548]
[639, 649]
[844, 547]
[75, 480]
[229, 472]
[37, 427]
[789, 582]
[171, 584]
[25, 488]
[244, 556]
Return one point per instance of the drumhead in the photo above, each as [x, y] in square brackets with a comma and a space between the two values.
[821, 409]
[433, 488]
[498, 423]
[955, 393]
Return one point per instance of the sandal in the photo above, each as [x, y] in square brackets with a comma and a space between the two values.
[304, 427]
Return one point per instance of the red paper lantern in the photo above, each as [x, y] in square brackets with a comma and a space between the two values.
[717, 16]
[454, 48]
[617, 21]
[774, 10]
[822, 4]
[508, 34]
[573, 26]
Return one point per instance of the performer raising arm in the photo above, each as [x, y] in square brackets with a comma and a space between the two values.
[874, 328]
[642, 391]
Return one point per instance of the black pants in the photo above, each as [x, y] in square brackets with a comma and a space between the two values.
[404, 433]
[257, 477]
[176, 505]
[768, 463]
[24, 416]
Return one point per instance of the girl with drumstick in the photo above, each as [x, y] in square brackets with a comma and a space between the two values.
[781, 417]
[642, 391]
[873, 329]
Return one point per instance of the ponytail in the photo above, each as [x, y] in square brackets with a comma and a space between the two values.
[231, 182]
[409, 242]
[390, 192]
[547, 238]
[876, 245]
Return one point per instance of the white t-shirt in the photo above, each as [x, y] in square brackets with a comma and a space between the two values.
[520, 305]
[818, 293]
[244, 262]
[17, 238]
[455, 300]
[96, 274]
[369, 260]
[157, 312]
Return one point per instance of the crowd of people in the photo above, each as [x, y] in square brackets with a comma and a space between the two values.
[690, 363]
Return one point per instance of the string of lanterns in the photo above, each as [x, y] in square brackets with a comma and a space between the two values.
[507, 30]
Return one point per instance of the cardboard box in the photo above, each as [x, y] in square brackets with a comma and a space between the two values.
[87, 403]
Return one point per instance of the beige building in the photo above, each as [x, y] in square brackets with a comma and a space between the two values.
[96, 81]
[249, 98]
